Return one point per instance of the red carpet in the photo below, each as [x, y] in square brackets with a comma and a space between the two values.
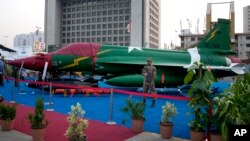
[97, 131]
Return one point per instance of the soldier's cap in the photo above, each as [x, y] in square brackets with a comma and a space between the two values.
[149, 59]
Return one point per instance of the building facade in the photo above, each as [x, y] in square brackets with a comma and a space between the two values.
[246, 19]
[115, 22]
[242, 43]
[29, 44]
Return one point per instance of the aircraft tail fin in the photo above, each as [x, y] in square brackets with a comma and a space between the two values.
[218, 38]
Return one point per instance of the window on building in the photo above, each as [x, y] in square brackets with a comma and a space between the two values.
[127, 38]
[104, 13]
[99, 20]
[121, 18]
[109, 25]
[121, 31]
[127, 11]
[99, 26]
[109, 39]
[121, 11]
[121, 25]
[127, 18]
[110, 12]
[99, 13]
[248, 54]
[110, 32]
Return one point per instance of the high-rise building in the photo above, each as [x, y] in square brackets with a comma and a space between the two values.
[246, 19]
[29, 44]
[21, 40]
[116, 22]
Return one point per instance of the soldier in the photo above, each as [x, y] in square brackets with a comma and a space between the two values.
[149, 73]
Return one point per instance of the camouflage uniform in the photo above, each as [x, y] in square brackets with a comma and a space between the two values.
[149, 73]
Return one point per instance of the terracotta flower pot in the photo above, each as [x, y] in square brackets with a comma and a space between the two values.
[196, 136]
[137, 125]
[37, 134]
[215, 137]
[166, 130]
[7, 125]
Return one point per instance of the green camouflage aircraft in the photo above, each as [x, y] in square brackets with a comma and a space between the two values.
[122, 65]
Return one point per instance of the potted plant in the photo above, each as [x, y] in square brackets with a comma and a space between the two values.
[166, 125]
[38, 121]
[215, 130]
[136, 111]
[7, 116]
[199, 101]
[233, 106]
[76, 125]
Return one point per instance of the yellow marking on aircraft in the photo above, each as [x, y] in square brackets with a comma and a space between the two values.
[212, 35]
[75, 62]
[80, 59]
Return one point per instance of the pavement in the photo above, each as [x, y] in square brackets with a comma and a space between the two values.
[144, 136]
[13, 136]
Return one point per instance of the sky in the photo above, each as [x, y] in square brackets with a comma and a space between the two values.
[23, 16]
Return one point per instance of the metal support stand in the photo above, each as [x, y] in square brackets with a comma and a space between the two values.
[111, 122]
[12, 94]
[50, 99]
[20, 91]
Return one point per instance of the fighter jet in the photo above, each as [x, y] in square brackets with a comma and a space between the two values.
[122, 65]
